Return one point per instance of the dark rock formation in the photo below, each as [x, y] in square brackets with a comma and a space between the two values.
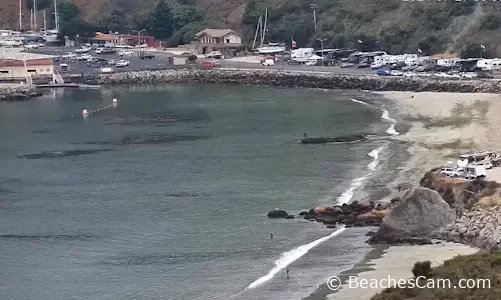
[278, 214]
[337, 139]
[419, 213]
[351, 215]
[17, 92]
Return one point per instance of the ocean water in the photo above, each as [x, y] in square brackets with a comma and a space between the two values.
[165, 196]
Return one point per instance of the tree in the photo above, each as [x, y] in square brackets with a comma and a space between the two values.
[68, 13]
[162, 21]
[41, 4]
[475, 51]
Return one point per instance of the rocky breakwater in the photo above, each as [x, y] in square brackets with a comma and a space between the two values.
[324, 80]
[11, 92]
[353, 214]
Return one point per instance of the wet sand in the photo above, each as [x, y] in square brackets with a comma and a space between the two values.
[394, 261]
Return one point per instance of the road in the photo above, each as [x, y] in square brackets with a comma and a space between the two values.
[137, 64]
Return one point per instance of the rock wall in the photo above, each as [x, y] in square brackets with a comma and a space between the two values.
[297, 79]
[17, 92]
[478, 228]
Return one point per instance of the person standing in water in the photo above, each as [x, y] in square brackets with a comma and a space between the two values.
[305, 136]
[287, 273]
[271, 235]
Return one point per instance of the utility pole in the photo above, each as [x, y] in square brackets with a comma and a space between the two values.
[314, 6]
[322, 46]
[20, 14]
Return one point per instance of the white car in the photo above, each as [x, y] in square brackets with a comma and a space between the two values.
[125, 52]
[106, 70]
[450, 172]
[396, 73]
[470, 75]
[31, 46]
[99, 50]
[82, 50]
[376, 65]
[69, 55]
[268, 62]
[84, 57]
[410, 74]
[122, 63]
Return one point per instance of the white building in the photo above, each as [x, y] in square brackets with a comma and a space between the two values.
[15, 64]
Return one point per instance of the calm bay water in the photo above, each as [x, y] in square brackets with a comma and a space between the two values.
[166, 195]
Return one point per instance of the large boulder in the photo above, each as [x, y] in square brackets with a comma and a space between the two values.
[278, 214]
[420, 212]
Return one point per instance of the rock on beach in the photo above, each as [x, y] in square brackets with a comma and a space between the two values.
[11, 92]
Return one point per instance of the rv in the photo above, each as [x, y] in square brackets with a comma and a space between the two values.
[302, 53]
[483, 63]
[474, 172]
[495, 64]
[446, 62]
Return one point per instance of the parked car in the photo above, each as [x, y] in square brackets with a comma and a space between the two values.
[469, 75]
[31, 46]
[450, 172]
[122, 63]
[69, 55]
[396, 73]
[106, 70]
[84, 57]
[268, 62]
[397, 65]
[347, 65]
[214, 54]
[210, 64]
[82, 50]
[112, 62]
[363, 65]
[383, 72]
[376, 65]
[146, 56]
[108, 51]
[99, 50]
[125, 52]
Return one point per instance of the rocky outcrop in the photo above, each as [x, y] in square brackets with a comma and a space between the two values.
[297, 79]
[17, 92]
[459, 193]
[479, 228]
[419, 213]
[354, 214]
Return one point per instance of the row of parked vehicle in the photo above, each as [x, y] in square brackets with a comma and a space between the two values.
[450, 75]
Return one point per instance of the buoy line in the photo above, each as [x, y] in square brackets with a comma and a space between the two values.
[86, 113]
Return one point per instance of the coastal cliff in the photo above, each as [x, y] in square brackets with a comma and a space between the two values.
[17, 92]
[296, 79]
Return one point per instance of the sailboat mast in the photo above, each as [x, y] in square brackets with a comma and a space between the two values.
[20, 14]
[263, 34]
[258, 29]
[44, 21]
[56, 16]
[35, 13]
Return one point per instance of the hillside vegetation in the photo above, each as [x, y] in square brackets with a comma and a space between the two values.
[392, 25]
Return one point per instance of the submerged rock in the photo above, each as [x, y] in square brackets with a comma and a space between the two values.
[278, 214]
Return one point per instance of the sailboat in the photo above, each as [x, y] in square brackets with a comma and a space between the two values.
[51, 35]
[269, 48]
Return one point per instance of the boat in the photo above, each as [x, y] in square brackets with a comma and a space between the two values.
[269, 48]
[89, 86]
[338, 139]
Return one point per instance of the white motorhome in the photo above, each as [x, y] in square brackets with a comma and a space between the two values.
[411, 61]
[451, 62]
[425, 61]
[302, 54]
[474, 172]
[483, 63]
[495, 64]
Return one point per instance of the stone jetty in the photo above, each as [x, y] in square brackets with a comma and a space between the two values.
[15, 92]
[297, 79]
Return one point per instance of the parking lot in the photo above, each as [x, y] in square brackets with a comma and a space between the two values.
[78, 67]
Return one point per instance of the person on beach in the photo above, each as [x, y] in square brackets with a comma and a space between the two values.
[305, 136]
[287, 273]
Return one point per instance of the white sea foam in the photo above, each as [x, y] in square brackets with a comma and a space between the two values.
[374, 154]
[385, 116]
[348, 194]
[290, 256]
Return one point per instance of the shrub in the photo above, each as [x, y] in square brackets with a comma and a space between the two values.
[192, 58]
[422, 268]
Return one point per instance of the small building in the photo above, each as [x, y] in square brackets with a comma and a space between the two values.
[124, 39]
[15, 65]
[224, 40]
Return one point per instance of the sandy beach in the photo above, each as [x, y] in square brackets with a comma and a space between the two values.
[441, 127]
[444, 125]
